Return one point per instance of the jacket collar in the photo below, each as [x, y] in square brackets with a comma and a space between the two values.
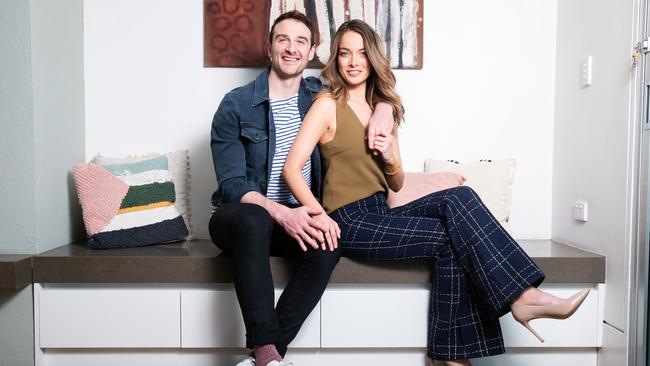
[261, 87]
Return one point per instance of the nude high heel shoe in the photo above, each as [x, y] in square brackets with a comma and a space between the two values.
[524, 313]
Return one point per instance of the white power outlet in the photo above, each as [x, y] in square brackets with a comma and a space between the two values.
[580, 210]
[585, 71]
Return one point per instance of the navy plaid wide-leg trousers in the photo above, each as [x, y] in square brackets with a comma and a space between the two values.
[478, 270]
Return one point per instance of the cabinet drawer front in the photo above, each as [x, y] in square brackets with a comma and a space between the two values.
[580, 330]
[389, 316]
[82, 317]
[357, 317]
[211, 318]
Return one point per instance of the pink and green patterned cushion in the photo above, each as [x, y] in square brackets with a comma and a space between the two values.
[129, 205]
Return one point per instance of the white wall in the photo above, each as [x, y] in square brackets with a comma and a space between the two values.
[17, 180]
[17, 139]
[593, 142]
[592, 134]
[17, 324]
[486, 91]
[57, 67]
[41, 111]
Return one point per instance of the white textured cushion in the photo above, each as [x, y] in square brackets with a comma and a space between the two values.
[492, 181]
[179, 166]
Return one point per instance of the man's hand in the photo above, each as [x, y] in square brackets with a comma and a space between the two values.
[381, 123]
[302, 227]
[297, 222]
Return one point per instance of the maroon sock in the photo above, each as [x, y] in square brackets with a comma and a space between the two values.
[265, 354]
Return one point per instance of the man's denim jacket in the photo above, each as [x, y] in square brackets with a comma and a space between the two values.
[243, 139]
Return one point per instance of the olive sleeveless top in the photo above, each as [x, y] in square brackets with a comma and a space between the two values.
[351, 171]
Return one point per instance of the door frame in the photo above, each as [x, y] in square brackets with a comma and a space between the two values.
[638, 288]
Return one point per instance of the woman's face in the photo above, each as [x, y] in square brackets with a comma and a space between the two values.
[352, 59]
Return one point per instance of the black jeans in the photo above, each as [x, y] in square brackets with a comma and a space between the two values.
[249, 234]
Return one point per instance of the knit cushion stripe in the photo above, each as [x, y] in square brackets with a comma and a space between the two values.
[157, 163]
[141, 218]
[161, 232]
[149, 193]
[145, 207]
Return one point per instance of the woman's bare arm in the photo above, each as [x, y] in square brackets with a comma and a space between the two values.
[317, 126]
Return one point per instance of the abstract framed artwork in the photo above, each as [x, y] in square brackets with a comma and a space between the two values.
[237, 31]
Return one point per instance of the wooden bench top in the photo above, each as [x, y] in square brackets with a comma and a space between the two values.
[15, 271]
[201, 262]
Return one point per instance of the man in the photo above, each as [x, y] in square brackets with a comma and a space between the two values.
[255, 213]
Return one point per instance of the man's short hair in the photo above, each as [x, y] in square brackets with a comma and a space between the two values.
[295, 15]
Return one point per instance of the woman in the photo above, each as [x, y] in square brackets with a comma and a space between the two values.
[480, 271]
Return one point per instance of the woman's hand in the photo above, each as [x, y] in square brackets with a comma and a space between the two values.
[300, 225]
[384, 145]
[332, 234]
[381, 121]
[388, 147]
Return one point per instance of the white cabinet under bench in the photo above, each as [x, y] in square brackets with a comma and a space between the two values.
[355, 323]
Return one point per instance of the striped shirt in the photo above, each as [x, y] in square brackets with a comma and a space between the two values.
[287, 122]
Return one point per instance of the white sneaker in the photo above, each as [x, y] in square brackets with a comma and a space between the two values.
[248, 361]
[281, 363]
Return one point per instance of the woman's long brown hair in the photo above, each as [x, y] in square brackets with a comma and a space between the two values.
[380, 85]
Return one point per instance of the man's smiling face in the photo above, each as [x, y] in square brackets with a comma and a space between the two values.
[291, 48]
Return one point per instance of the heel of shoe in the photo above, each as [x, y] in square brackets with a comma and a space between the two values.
[523, 314]
[527, 325]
